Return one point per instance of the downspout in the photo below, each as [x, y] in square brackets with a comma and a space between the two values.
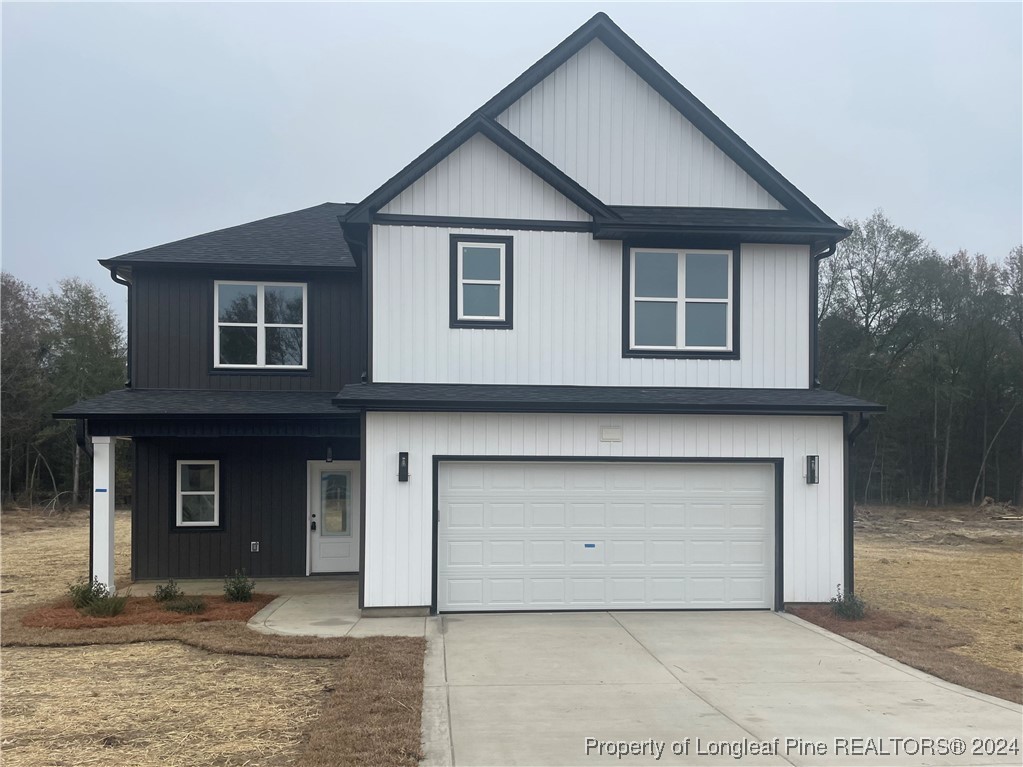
[850, 493]
[815, 373]
[85, 444]
[127, 283]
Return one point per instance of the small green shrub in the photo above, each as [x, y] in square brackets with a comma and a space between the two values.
[84, 592]
[238, 588]
[168, 592]
[848, 606]
[188, 605]
[105, 607]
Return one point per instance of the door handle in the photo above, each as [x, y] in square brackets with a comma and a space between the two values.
[312, 526]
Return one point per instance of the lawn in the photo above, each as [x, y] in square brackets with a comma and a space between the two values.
[944, 590]
[211, 693]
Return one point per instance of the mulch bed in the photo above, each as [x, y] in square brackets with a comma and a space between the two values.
[144, 611]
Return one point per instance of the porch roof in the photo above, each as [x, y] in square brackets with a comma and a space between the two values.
[203, 403]
[600, 399]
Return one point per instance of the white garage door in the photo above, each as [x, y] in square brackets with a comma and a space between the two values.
[578, 536]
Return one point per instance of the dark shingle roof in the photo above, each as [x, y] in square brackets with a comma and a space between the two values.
[616, 399]
[723, 217]
[310, 237]
[178, 403]
[764, 225]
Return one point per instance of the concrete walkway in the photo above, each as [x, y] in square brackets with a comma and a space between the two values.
[529, 689]
[319, 606]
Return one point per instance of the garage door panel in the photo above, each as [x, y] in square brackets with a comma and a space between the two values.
[507, 515]
[669, 515]
[590, 536]
[462, 515]
[627, 515]
[544, 515]
[587, 515]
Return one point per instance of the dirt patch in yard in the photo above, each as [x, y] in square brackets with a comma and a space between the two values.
[944, 589]
[145, 610]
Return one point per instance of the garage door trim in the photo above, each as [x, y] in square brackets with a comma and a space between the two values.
[778, 463]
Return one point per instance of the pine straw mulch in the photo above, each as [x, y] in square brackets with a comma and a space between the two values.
[62, 615]
[185, 694]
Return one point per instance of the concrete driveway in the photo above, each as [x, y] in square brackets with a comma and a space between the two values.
[531, 689]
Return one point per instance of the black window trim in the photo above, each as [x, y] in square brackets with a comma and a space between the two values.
[509, 280]
[629, 352]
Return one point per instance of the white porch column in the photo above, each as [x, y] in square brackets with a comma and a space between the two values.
[103, 510]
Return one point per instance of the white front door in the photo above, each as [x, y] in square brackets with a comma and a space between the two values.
[333, 517]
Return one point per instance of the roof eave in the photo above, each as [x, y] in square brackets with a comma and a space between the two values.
[601, 407]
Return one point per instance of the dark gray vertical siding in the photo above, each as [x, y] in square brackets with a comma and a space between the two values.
[262, 498]
[172, 324]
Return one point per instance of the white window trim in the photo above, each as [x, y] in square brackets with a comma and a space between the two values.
[181, 493]
[501, 283]
[260, 324]
[680, 301]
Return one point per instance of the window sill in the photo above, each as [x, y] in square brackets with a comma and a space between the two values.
[481, 324]
[667, 354]
[260, 371]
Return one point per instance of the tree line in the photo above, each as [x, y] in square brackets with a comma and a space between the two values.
[939, 340]
[57, 347]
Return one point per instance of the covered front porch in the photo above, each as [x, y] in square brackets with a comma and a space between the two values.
[262, 482]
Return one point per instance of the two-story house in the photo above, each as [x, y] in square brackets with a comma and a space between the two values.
[565, 359]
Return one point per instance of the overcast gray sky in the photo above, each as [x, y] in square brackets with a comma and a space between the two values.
[126, 126]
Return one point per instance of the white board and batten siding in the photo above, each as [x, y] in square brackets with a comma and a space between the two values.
[399, 542]
[568, 317]
[603, 125]
[479, 179]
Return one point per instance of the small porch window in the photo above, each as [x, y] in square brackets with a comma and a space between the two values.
[198, 494]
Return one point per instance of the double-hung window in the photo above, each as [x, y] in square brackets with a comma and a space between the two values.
[481, 281]
[198, 494]
[260, 325]
[681, 302]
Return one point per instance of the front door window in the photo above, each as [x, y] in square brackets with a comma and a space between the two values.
[335, 502]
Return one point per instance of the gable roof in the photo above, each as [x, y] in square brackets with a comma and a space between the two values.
[601, 27]
[307, 238]
[506, 140]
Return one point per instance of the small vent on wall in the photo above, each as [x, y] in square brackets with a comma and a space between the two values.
[610, 433]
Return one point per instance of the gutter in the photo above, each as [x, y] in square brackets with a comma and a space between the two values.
[815, 353]
[127, 283]
[850, 491]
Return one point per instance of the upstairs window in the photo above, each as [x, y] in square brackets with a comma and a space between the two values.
[681, 303]
[260, 325]
[481, 281]
[198, 494]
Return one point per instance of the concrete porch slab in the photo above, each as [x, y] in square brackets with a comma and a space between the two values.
[317, 606]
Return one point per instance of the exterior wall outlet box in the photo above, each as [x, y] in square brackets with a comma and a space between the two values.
[254, 546]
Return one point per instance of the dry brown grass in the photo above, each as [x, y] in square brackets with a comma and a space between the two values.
[206, 693]
[945, 589]
[41, 553]
[156, 704]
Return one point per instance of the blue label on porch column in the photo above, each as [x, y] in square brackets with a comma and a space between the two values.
[590, 545]
[101, 489]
